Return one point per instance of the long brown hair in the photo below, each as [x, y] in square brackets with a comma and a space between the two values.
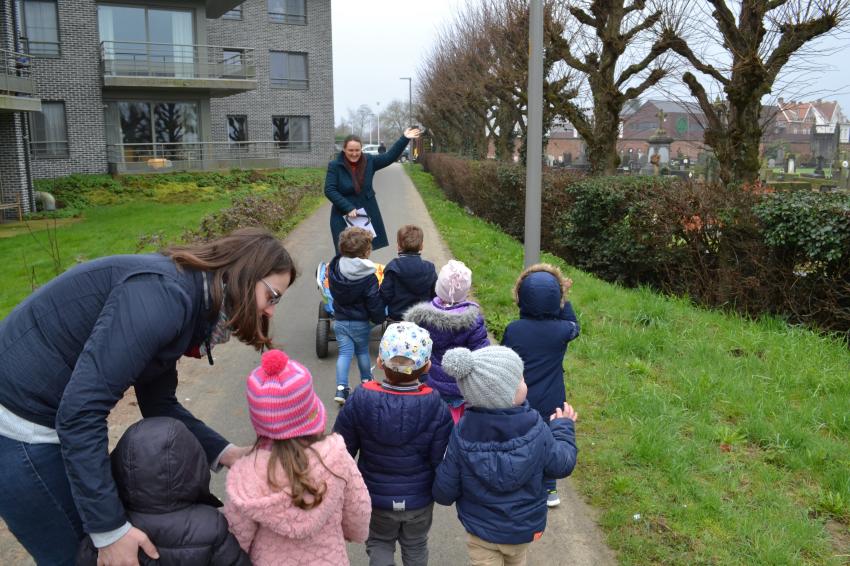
[291, 455]
[239, 260]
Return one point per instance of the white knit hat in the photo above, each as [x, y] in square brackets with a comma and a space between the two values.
[454, 282]
[488, 377]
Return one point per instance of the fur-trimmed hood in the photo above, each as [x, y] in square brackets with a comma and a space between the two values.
[455, 318]
[546, 268]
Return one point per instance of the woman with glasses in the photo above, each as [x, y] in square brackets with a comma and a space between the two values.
[70, 351]
[348, 184]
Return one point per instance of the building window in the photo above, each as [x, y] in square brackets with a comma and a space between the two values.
[48, 131]
[288, 70]
[288, 11]
[292, 132]
[237, 128]
[234, 14]
[143, 130]
[41, 25]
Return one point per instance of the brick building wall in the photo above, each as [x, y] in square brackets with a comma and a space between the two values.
[257, 31]
[74, 78]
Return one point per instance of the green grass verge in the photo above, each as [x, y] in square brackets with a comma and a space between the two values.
[105, 230]
[704, 438]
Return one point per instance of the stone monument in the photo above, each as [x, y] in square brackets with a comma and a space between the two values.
[659, 147]
[825, 138]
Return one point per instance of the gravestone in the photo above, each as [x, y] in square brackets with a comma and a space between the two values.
[791, 165]
[825, 139]
[659, 148]
[771, 163]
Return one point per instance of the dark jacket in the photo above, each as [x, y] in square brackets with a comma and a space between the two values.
[401, 436]
[455, 326]
[358, 299]
[339, 188]
[408, 279]
[164, 482]
[71, 349]
[540, 337]
[494, 470]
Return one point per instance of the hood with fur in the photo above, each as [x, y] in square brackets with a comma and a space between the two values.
[454, 318]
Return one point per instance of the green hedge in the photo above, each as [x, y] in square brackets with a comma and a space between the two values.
[785, 252]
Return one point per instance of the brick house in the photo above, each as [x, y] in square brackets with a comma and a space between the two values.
[150, 85]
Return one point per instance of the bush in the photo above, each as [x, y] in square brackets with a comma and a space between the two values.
[751, 249]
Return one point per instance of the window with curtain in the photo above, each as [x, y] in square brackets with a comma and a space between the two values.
[237, 128]
[41, 25]
[48, 131]
[152, 129]
[288, 11]
[288, 70]
[292, 132]
[147, 42]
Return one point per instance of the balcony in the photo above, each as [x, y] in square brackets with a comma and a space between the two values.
[199, 156]
[220, 71]
[16, 84]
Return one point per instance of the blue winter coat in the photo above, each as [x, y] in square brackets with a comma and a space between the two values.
[359, 299]
[72, 348]
[401, 436]
[540, 337]
[494, 470]
[408, 280]
[454, 326]
[339, 188]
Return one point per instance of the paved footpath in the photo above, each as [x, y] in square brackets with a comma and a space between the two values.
[216, 394]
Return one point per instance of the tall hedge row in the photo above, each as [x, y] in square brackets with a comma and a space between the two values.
[754, 251]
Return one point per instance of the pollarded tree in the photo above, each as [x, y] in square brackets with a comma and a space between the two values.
[616, 47]
[754, 40]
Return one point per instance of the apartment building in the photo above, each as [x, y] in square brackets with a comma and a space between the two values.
[148, 85]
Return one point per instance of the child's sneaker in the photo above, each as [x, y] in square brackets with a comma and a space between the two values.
[552, 500]
[341, 394]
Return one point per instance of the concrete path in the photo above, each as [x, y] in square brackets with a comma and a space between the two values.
[216, 394]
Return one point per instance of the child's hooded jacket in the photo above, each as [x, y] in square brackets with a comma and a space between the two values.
[273, 530]
[163, 480]
[540, 337]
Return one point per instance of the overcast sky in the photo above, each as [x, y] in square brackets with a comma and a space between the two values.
[377, 41]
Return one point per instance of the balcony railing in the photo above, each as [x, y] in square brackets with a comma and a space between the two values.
[287, 18]
[166, 60]
[16, 72]
[183, 156]
[49, 149]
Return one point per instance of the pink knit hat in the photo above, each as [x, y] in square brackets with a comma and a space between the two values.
[281, 400]
[453, 282]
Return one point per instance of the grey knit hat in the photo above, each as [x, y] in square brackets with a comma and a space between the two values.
[488, 377]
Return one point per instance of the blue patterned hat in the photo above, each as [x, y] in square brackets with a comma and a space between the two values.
[405, 347]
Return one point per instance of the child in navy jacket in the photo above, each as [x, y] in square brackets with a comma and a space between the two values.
[499, 454]
[546, 325]
[357, 304]
[400, 428]
[408, 279]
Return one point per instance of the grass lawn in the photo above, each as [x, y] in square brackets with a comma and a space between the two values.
[704, 438]
[106, 230]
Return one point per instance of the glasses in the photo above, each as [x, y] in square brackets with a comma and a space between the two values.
[275, 295]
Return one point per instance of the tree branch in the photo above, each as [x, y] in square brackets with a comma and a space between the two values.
[636, 5]
[584, 17]
[794, 36]
[658, 48]
[726, 23]
[698, 92]
[679, 45]
[650, 21]
[656, 75]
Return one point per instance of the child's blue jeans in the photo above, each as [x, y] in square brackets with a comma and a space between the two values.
[352, 336]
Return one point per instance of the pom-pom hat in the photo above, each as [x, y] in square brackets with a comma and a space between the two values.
[281, 400]
[488, 377]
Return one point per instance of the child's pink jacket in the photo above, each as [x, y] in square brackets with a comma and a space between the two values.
[272, 530]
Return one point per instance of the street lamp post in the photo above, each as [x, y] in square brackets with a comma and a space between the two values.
[379, 121]
[409, 99]
[534, 134]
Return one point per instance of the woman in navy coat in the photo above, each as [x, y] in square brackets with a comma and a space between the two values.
[348, 184]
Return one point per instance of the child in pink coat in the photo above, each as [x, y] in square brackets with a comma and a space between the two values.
[298, 496]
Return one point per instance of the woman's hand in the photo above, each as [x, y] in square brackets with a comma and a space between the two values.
[353, 213]
[232, 454]
[412, 133]
[125, 550]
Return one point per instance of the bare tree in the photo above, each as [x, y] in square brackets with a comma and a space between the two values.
[616, 47]
[362, 116]
[742, 54]
[394, 119]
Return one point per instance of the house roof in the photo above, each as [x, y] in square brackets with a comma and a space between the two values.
[676, 107]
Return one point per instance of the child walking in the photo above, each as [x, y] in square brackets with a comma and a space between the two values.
[546, 325]
[498, 456]
[357, 301]
[452, 321]
[408, 279]
[400, 429]
[163, 480]
[298, 496]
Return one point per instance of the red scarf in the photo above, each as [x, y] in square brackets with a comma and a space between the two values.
[357, 170]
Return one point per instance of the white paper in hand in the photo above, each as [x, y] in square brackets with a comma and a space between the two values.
[362, 220]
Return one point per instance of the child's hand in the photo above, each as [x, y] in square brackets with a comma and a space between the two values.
[566, 413]
[568, 284]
